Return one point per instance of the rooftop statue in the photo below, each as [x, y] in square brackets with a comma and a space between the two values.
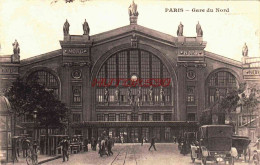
[66, 28]
[245, 50]
[16, 48]
[199, 30]
[132, 10]
[180, 30]
[85, 28]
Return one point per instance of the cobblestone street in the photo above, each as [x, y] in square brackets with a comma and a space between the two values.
[133, 154]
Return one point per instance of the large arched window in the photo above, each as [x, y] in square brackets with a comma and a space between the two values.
[219, 84]
[45, 78]
[130, 65]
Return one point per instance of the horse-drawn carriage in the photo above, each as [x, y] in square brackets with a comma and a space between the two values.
[215, 144]
[241, 143]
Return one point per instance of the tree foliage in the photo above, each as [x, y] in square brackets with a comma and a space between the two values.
[232, 99]
[27, 97]
[237, 97]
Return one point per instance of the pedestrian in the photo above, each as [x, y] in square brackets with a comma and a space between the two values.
[18, 147]
[35, 146]
[65, 147]
[152, 144]
[99, 145]
[257, 144]
[109, 146]
[256, 158]
[92, 143]
[86, 145]
[25, 147]
[95, 144]
[113, 141]
[142, 141]
[122, 139]
[174, 139]
[184, 147]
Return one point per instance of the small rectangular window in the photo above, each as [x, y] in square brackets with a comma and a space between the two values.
[100, 117]
[76, 117]
[134, 117]
[191, 117]
[112, 117]
[167, 117]
[157, 117]
[191, 95]
[76, 90]
[145, 117]
[122, 117]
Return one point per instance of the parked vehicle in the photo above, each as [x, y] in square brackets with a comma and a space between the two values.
[241, 143]
[215, 144]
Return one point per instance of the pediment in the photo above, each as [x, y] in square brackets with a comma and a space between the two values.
[133, 29]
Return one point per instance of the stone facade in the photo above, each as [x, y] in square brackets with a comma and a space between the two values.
[80, 58]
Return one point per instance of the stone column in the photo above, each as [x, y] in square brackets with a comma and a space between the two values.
[181, 98]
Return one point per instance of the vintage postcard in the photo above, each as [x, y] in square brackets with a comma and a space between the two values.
[133, 82]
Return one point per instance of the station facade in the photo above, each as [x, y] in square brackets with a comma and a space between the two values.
[133, 81]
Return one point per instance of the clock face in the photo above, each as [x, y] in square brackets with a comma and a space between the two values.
[191, 74]
[134, 77]
[76, 74]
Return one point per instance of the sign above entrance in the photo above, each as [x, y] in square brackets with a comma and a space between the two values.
[75, 51]
[253, 72]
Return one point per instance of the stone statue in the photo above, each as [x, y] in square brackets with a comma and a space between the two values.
[245, 50]
[217, 94]
[180, 30]
[199, 30]
[139, 97]
[106, 96]
[16, 51]
[66, 28]
[117, 94]
[132, 10]
[16, 48]
[129, 94]
[162, 95]
[151, 94]
[85, 28]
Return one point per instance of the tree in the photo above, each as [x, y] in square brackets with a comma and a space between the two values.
[27, 97]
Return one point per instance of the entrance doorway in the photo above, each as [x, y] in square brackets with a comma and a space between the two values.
[134, 135]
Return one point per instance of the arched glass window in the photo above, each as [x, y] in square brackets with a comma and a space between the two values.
[47, 79]
[219, 84]
[124, 68]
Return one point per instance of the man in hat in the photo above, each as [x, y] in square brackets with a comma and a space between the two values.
[65, 147]
[152, 143]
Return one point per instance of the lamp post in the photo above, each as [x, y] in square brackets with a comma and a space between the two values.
[34, 117]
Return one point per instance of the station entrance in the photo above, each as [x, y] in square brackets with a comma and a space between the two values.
[134, 132]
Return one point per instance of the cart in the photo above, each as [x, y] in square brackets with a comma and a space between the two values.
[241, 144]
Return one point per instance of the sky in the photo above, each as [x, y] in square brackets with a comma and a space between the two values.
[37, 24]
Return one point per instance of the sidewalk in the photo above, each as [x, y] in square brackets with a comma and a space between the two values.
[41, 159]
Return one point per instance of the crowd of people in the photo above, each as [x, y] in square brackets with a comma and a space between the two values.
[25, 145]
[104, 143]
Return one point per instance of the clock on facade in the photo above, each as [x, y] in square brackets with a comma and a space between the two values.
[191, 74]
[76, 74]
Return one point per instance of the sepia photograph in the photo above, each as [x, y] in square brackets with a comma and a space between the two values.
[133, 82]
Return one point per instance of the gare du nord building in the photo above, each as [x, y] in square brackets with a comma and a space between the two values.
[84, 71]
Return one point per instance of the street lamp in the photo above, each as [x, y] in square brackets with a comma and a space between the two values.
[34, 117]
